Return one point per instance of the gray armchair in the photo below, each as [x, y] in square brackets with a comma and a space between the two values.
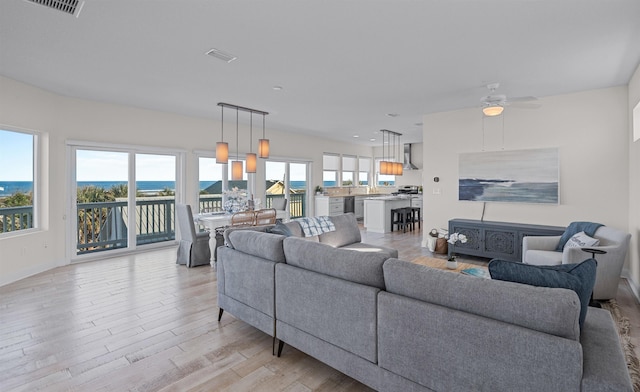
[194, 247]
[541, 251]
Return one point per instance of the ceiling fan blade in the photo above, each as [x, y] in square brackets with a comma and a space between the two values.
[525, 105]
[522, 99]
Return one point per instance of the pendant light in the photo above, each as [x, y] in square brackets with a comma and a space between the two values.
[251, 156]
[222, 148]
[263, 144]
[236, 166]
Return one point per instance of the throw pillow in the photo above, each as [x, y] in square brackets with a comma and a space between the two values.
[281, 229]
[577, 277]
[581, 240]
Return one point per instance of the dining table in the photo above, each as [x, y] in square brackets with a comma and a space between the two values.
[218, 220]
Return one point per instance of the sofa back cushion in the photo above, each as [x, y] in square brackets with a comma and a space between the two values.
[229, 242]
[346, 232]
[550, 310]
[359, 267]
[258, 243]
[296, 231]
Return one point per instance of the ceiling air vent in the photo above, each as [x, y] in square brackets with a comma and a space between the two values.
[71, 7]
[221, 55]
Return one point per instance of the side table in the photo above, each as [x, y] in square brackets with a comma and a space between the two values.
[594, 252]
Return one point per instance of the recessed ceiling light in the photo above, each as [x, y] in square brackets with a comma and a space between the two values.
[373, 139]
[356, 136]
[217, 53]
[392, 114]
[278, 88]
[418, 124]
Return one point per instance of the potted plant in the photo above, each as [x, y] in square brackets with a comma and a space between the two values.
[318, 190]
[453, 239]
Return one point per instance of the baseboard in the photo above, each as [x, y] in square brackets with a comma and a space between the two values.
[25, 273]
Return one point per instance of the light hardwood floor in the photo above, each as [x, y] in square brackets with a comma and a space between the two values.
[143, 323]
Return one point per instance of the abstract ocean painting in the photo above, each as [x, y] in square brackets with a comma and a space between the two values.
[519, 176]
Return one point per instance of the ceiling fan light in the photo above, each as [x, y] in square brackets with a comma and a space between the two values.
[493, 110]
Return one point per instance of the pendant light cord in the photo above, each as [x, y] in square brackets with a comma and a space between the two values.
[237, 139]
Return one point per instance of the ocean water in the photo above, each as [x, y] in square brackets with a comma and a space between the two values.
[508, 191]
[8, 188]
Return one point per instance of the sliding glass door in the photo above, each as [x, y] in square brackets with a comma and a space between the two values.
[287, 180]
[123, 199]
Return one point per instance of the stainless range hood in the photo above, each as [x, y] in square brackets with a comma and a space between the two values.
[407, 165]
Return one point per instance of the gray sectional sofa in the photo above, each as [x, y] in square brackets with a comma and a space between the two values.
[399, 326]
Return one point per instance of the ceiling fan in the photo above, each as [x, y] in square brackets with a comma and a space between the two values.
[493, 104]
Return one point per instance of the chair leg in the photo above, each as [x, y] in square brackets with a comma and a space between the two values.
[220, 314]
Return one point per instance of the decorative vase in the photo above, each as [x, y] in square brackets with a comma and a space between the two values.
[452, 263]
[234, 205]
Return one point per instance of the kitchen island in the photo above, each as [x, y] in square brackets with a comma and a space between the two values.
[377, 212]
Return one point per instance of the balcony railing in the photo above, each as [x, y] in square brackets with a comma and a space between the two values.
[16, 218]
[103, 226]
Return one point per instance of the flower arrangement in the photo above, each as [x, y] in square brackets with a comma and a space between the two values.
[453, 239]
[235, 200]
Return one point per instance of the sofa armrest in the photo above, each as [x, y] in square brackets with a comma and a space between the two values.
[540, 243]
[604, 366]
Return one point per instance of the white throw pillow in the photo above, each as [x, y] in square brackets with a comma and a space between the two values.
[581, 240]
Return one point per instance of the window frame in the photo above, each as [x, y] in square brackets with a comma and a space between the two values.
[38, 220]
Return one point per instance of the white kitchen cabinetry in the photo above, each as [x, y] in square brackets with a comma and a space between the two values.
[329, 206]
[359, 207]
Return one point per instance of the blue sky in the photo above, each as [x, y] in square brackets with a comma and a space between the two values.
[16, 164]
[16, 156]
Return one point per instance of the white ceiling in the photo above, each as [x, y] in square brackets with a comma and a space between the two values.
[343, 64]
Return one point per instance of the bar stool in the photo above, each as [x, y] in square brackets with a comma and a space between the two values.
[400, 217]
[415, 217]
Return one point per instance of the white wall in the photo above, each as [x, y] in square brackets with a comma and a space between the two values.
[634, 187]
[63, 118]
[591, 130]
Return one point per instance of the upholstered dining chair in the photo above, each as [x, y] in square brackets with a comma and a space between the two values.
[279, 203]
[194, 247]
[266, 216]
[243, 218]
[540, 250]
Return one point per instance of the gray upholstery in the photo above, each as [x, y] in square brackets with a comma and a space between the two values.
[399, 326]
[364, 268]
[194, 247]
[346, 236]
[541, 251]
[279, 203]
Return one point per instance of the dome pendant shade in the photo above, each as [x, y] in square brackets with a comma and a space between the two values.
[222, 152]
[494, 110]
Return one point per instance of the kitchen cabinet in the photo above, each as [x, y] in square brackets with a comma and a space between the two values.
[359, 207]
[377, 212]
[329, 205]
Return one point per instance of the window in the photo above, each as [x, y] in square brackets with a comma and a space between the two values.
[348, 170]
[330, 168]
[364, 167]
[18, 181]
[383, 179]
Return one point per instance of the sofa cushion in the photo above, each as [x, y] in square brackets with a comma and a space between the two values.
[359, 267]
[577, 277]
[232, 229]
[281, 229]
[581, 240]
[552, 311]
[258, 243]
[346, 232]
[362, 247]
[296, 231]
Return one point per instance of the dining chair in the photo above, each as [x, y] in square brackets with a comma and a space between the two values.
[194, 247]
[266, 216]
[243, 218]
